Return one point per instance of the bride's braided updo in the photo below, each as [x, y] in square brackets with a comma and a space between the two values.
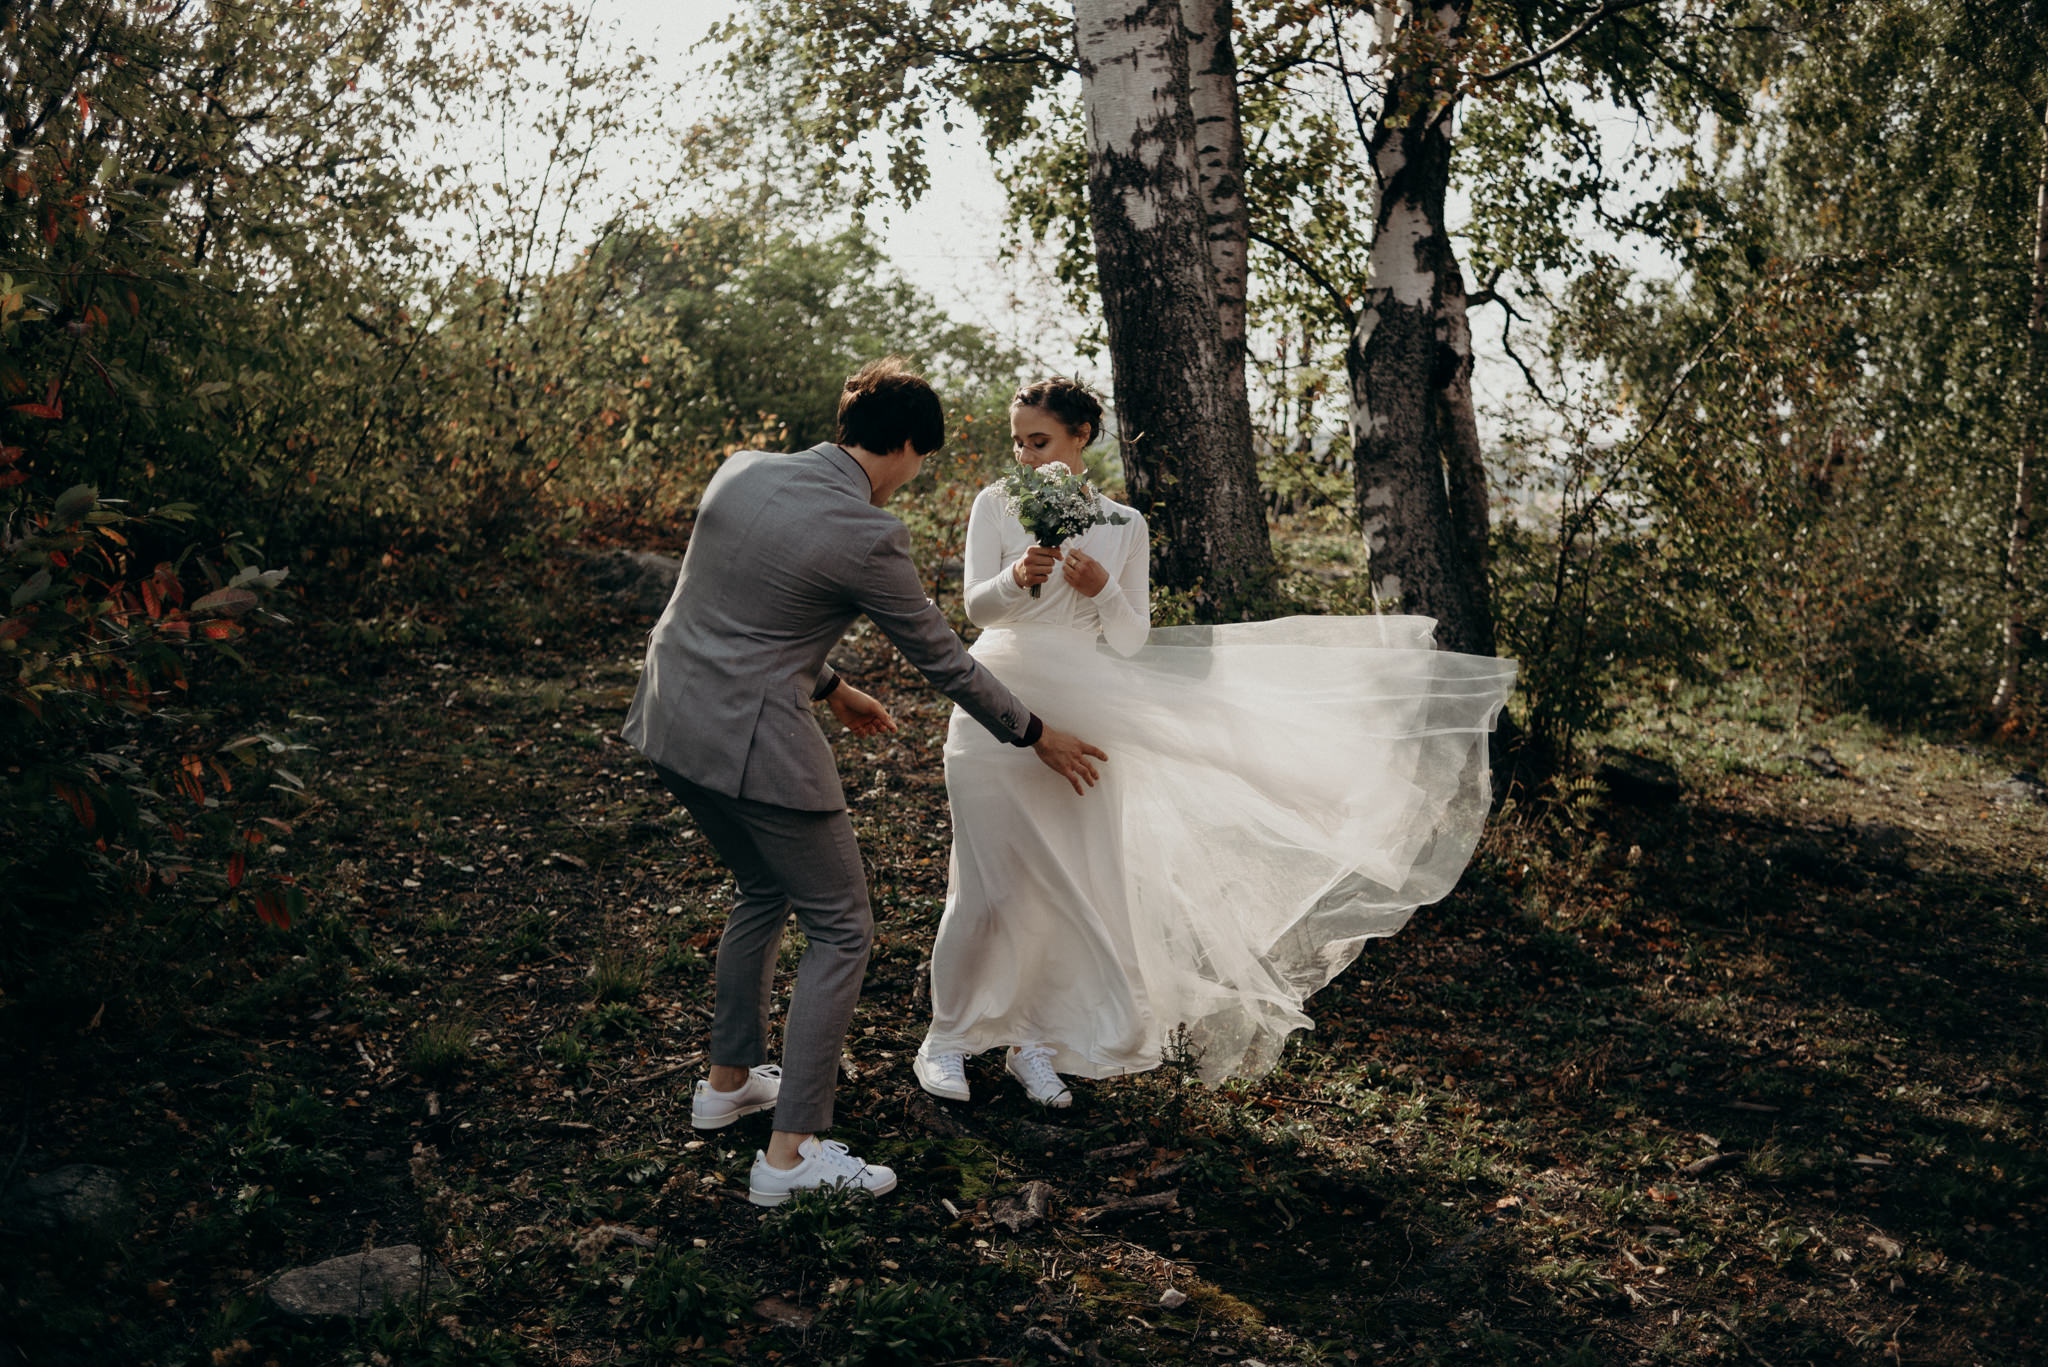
[1068, 400]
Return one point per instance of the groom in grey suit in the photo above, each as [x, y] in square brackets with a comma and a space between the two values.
[786, 551]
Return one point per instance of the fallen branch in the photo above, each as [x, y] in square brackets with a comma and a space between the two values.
[1126, 1206]
[1714, 1162]
[1125, 1150]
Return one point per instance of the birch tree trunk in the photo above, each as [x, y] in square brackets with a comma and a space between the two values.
[1415, 440]
[2030, 442]
[1186, 426]
[1219, 157]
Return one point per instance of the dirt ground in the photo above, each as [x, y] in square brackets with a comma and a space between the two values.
[1749, 1070]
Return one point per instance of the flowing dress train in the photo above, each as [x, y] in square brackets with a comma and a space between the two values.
[1277, 794]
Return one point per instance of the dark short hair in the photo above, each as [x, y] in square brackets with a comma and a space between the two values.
[1068, 400]
[885, 404]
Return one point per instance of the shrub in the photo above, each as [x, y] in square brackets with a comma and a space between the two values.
[113, 787]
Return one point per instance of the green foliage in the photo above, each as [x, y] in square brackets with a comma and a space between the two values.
[617, 978]
[282, 1144]
[440, 1049]
[680, 1296]
[900, 1323]
[617, 1020]
[825, 1227]
[1827, 406]
[117, 783]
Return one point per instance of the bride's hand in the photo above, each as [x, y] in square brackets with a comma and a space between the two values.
[1067, 755]
[858, 712]
[1036, 566]
[1085, 572]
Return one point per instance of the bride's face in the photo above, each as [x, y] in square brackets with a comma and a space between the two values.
[1038, 436]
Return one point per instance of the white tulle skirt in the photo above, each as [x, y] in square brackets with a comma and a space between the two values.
[1277, 794]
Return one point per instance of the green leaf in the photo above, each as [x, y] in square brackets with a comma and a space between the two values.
[228, 602]
[74, 503]
[32, 589]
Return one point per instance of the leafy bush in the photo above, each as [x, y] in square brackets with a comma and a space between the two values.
[116, 785]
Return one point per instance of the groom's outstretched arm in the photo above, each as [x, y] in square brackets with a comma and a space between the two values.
[891, 594]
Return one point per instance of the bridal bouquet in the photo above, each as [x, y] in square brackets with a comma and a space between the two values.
[1054, 504]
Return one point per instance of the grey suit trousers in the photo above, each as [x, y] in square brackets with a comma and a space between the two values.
[783, 860]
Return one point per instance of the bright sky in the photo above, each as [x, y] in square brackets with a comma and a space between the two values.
[948, 244]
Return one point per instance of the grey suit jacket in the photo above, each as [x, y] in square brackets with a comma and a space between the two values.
[785, 553]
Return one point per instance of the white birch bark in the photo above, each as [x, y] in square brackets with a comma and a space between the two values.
[1416, 462]
[1186, 428]
[1219, 154]
[2023, 482]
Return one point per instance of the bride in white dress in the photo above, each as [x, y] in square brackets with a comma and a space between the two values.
[1276, 794]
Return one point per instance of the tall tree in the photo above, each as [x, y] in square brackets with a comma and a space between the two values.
[1414, 436]
[1163, 206]
[1183, 416]
[2021, 538]
[1290, 185]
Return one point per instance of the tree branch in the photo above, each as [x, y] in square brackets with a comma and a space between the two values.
[1315, 276]
[1594, 20]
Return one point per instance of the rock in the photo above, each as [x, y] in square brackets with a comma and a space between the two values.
[782, 1314]
[638, 581]
[1024, 1210]
[80, 1198]
[1822, 761]
[353, 1287]
[1638, 779]
[2024, 786]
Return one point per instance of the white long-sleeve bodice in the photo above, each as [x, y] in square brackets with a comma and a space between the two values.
[1121, 612]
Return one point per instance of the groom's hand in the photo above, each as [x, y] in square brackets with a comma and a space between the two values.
[1067, 755]
[858, 712]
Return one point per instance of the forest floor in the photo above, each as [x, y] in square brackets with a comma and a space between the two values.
[1757, 1075]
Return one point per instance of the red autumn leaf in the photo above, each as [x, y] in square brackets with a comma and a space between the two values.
[270, 907]
[10, 478]
[80, 804]
[238, 864]
[218, 631]
[52, 407]
[150, 602]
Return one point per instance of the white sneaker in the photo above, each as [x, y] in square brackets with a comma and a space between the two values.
[711, 1109]
[1031, 1064]
[941, 1074]
[826, 1163]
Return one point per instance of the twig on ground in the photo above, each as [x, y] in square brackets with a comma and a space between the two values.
[1119, 1208]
